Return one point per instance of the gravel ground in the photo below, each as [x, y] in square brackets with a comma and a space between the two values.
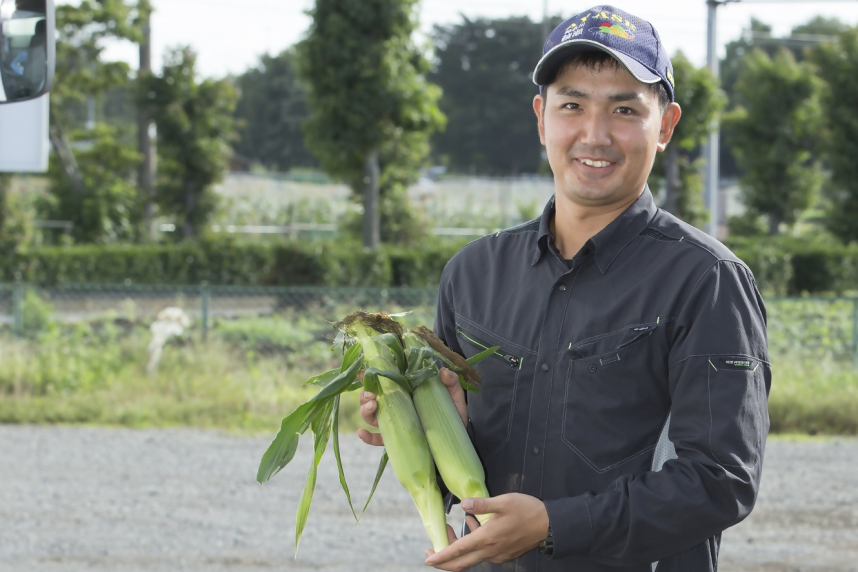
[90, 499]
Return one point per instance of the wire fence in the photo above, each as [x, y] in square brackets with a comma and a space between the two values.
[799, 327]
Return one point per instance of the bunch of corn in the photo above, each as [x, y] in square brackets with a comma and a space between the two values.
[416, 416]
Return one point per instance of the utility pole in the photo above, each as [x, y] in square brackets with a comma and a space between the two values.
[545, 29]
[713, 146]
[145, 128]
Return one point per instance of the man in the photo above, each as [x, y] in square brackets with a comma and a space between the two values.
[622, 421]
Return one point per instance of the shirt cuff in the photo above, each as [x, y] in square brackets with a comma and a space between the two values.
[571, 526]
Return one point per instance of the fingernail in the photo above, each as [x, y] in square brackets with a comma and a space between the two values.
[468, 504]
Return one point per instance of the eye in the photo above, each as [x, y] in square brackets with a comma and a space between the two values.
[571, 106]
[625, 111]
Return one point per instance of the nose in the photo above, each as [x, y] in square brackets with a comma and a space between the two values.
[595, 131]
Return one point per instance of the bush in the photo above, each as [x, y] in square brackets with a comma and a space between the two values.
[789, 266]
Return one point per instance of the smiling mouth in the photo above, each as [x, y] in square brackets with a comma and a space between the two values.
[597, 164]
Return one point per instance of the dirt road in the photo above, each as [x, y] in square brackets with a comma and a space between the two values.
[75, 499]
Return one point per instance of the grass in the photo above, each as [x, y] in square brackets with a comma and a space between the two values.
[248, 374]
[813, 396]
[83, 374]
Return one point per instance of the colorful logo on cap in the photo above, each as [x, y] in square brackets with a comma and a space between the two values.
[614, 29]
[670, 77]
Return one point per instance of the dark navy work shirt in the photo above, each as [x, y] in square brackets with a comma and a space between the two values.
[629, 391]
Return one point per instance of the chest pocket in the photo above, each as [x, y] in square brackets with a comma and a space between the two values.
[616, 396]
[491, 409]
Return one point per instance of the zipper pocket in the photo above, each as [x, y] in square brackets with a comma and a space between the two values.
[511, 360]
[632, 334]
[639, 333]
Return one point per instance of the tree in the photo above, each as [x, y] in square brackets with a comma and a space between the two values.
[484, 68]
[272, 106]
[372, 109]
[680, 165]
[774, 133]
[195, 126]
[92, 182]
[758, 35]
[837, 65]
[110, 209]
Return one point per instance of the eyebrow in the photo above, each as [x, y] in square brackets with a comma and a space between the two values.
[616, 97]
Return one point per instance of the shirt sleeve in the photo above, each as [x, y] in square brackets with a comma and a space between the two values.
[719, 379]
[445, 315]
[445, 329]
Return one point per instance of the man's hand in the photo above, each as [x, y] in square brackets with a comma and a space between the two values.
[368, 405]
[518, 524]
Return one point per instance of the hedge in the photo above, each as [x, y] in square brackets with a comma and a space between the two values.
[230, 262]
[790, 266]
[783, 266]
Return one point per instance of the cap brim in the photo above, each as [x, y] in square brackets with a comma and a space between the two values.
[553, 58]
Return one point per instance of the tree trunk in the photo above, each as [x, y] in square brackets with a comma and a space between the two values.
[188, 230]
[371, 218]
[145, 142]
[4, 188]
[774, 225]
[672, 181]
[66, 157]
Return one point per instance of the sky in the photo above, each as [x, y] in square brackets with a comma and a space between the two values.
[230, 35]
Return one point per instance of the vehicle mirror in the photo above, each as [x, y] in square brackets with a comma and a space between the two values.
[27, 49]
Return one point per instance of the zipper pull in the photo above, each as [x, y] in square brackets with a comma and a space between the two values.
[513, 361]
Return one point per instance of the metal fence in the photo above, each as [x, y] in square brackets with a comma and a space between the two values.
[800, 327]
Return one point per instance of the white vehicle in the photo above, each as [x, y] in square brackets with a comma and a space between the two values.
[27, 55]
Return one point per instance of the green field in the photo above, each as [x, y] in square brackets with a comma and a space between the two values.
[247, 375]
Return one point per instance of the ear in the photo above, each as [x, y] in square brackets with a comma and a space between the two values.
[669, 119]
[538, 103]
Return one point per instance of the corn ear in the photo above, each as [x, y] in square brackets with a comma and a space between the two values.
[404, 440]
[451, 447]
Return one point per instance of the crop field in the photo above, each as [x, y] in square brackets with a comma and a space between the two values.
[247, 374]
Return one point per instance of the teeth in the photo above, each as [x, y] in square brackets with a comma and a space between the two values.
[598, 164]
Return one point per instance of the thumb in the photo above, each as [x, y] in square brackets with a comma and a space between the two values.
[481, 506]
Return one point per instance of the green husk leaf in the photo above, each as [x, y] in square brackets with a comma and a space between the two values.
[370, 382]
[467, 386]
[474, 360]
[381, 465]
[284, 445]
[394, 344]
[321, 431]
[393, 376]
[323, 379]
[419, 376]
[339, 384]
[351, 353]
[335, 437]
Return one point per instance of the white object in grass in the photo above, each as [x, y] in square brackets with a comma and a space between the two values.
[170, 322]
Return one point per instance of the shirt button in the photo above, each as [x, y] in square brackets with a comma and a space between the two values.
[593, 369]
[536, 450]
[563, 287]
[545, 367]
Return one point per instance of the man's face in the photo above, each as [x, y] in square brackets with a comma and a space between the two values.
[601, 130]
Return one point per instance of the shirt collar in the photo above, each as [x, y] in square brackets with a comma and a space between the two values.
[612, 239]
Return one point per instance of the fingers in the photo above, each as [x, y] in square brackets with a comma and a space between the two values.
[465, 552]
[472, 522]
[451, 381]
[368, 408]
[451, 536]
[483, 506]
[374, 439]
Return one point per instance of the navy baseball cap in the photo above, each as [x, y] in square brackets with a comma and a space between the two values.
[631, 40]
